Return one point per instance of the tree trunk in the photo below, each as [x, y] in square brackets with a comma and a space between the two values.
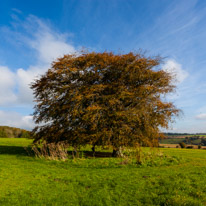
[75, 152]
[117, 152]
[114, 153]
[93, 150]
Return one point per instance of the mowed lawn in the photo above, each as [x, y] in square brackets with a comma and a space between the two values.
[26, 180]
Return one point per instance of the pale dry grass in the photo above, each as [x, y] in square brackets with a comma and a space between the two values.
[51, 151]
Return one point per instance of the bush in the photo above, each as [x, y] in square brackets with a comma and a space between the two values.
[203, 141]
[142, 157]
[182, 144]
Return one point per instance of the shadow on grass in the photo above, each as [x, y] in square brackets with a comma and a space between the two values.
[15, 150]
[96, 155]
[27, 151]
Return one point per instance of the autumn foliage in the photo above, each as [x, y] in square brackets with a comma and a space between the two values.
[103, 99]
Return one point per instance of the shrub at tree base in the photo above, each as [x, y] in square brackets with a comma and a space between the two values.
[103, 99]
[51, 151]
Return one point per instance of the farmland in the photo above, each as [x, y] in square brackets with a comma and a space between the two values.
[191, 140]
[27, 180]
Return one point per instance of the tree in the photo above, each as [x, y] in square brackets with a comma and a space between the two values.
[103, 99]
[182, 145]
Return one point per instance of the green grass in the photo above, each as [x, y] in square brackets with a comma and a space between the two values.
[26, 180]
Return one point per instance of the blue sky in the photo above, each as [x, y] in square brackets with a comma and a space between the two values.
[34, 33]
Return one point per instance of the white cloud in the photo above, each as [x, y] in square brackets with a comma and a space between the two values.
[24, 79]
[14, 119]
[176, 70]
[48, 45]
[7, 85]
[201, 116]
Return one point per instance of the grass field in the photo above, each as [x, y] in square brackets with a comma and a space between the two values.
[26, 180]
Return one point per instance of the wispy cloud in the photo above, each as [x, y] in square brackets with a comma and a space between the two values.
[48, 43]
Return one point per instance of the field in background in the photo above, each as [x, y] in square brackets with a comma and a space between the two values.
[191, 140]
[26, 180]
[178, 146]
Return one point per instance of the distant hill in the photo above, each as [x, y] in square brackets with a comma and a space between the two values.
[12, 132]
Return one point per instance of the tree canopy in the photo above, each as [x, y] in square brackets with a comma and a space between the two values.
[103, 99]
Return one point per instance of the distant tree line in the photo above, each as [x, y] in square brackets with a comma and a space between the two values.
[12, 132]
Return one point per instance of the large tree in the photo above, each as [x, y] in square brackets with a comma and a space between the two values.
[103, 99]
